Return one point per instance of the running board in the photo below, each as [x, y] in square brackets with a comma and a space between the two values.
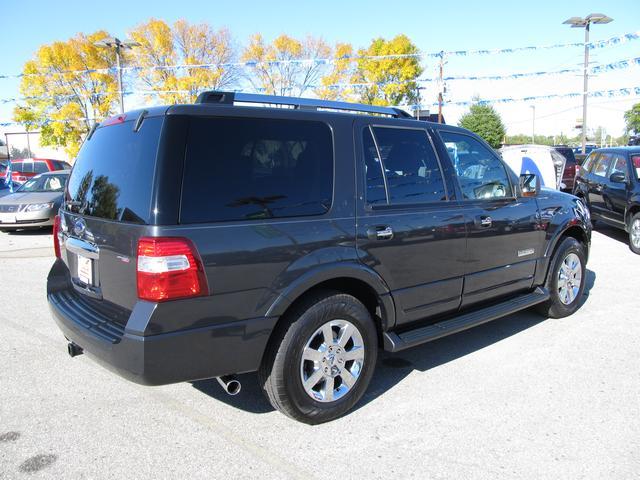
[394, 342]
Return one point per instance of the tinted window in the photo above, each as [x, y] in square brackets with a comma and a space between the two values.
[249, 168]
[602, 165]
[589, 161]
[113, 174]
[480, 173]
[58, 165]
[25, 167]
[40, 167]
[410, 166]
[376, 193]
[567, 153]
[619, 165]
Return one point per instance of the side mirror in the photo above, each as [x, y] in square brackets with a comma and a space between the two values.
[618, 177]
[529, 184]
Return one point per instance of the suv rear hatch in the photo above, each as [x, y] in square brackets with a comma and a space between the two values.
[107, 208]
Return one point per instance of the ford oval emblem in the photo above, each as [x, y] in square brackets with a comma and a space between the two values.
[79, 227]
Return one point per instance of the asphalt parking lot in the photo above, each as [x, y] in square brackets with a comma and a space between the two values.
[522, 397]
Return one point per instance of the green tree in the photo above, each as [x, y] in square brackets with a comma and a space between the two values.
[632, 119]
[389, 81]
[486, 122]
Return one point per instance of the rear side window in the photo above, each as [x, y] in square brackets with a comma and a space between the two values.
[619, 165]
[40, 167]
[410, 167]
[253, 168]
[480, 173]
[602, 165]
[113, 174]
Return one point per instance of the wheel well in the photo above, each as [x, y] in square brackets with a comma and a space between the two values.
[575, 232]
[354, 287]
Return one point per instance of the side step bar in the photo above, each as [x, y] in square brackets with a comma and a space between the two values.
[394, 342]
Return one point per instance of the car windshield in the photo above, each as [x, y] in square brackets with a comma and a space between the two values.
[45, 183]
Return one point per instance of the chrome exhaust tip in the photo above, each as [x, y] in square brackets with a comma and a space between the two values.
[229, 384]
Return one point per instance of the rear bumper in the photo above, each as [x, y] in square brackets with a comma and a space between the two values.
[160, 359]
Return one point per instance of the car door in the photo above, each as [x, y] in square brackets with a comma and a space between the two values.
[595, 183]
[408, 228]
[504, 235]
[615, 193]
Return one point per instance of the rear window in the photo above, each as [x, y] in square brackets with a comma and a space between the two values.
[252, 168]
[113, 173]
[568, 154]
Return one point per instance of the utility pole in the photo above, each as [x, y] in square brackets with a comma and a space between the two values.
[578, 22]
[533, 125]
[441, 89]
[118, 46]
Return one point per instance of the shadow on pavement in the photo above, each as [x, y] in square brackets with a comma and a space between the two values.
[31, 232]
[613, 233]
[392, 368]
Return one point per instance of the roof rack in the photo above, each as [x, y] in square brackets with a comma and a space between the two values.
[231, 98]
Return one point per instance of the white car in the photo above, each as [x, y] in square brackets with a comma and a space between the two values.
[542, 160]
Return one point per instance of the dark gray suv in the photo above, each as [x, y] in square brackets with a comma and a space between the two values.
[295, 238]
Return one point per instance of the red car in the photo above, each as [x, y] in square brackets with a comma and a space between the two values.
[23, 169]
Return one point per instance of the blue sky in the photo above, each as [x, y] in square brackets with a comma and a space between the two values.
[433, 26]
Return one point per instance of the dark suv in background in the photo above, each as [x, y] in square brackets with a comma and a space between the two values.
[608, 182]
[207, 240]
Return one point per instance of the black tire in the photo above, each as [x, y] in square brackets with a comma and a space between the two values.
[634, 248]
[555, 306]
[279, 374]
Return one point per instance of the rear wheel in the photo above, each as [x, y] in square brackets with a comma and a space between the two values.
[565, 280]
[634, 233]
[322, 358]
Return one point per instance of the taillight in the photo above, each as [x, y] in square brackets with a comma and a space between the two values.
[169, 268]
[56, 240]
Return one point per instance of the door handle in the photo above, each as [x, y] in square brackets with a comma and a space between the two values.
[380, 233]
[484, 221]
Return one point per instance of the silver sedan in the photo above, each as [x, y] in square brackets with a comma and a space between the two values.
[35, 203]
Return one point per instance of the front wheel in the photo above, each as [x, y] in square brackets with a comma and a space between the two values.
[565, 280]
[321, 359]
[634, 233]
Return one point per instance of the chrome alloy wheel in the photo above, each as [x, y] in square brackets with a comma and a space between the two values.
[569, 278]
[635, 233]
[332, 361]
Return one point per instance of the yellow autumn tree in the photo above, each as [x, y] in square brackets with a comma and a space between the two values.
[286, 66]
[66, 87]
[335, 84]
[390, 80]
[187, 46]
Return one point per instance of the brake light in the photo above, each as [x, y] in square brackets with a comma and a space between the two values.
[114, 120]
[56, 240]
[169, 268]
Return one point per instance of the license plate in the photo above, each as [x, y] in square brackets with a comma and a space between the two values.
[85, 270]
[7, 218]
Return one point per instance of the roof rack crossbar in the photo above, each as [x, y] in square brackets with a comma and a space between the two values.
[300, 103]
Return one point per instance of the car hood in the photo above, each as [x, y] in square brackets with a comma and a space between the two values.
[21, 198]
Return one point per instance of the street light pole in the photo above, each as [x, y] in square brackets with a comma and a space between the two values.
[118, 46]
[585, 88]
[579, 22]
